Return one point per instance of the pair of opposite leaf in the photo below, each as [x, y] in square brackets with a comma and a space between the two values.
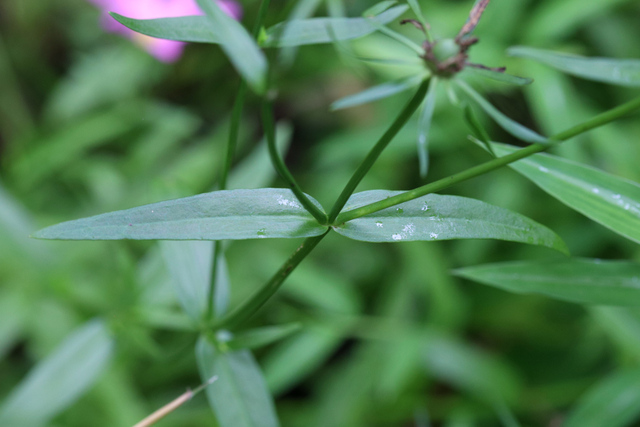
[444, 61]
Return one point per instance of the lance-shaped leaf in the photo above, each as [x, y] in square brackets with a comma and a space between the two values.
[583, 281]
[612, 402]
[299, 356]
[237, 43]
[195, 29]
[327, 30]
[511, 126]
[623, 72]
[220, 215]
[436, 217]
[60, 379]
[376, 93]
[424, 126]
[612, 201]
[498, 76]
[239, 397]
[378, 8]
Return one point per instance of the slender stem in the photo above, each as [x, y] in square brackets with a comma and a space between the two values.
[262, 15]
[599, 120]
[262, 295]
[491, 165]
[234, 128]
[232, 142]
[377, 149]
[211, 296]
[278, 163]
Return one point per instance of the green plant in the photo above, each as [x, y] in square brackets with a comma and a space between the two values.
[240, 396]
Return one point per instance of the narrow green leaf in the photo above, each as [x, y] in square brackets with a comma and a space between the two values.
[239, 46]
[424, 126]
[196, 29]
[514, 128]
[297, 357]
[612, 201]
[239, 397]
[220, 215]
[482, 139]
[376, 93]
[59, 380]
[327, 30]
[582, 281]
[498, 76]
[436, 217]
[613, 402]
[623, 72]
[404, 62]
[189, 264]
[378, 8]
[260, 337]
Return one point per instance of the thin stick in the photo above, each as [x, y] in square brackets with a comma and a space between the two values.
[175, 404]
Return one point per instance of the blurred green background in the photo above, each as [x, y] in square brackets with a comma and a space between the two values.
[90, 123]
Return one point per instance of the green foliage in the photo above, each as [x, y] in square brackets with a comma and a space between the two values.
[60, 379]
[612, 201]
[329, 331]
[577, 280]
[623, 72]
[611, 402]
[230, 214]
[436, 217]
[326, 30]
[240, 397]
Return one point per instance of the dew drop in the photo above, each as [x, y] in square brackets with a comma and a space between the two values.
[433, 235]
[262, 233]
[595, 190]
[399, 210]
[425, 207]
[379, 224]
[543, 169]
[409, 228]
[396, 237]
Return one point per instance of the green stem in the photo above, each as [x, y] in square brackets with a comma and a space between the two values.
[278, 163]
[217, 248]
[491, 165]
[232, 142]
[234, 128]
[262, 15]
[377, 149]
[262, 295]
